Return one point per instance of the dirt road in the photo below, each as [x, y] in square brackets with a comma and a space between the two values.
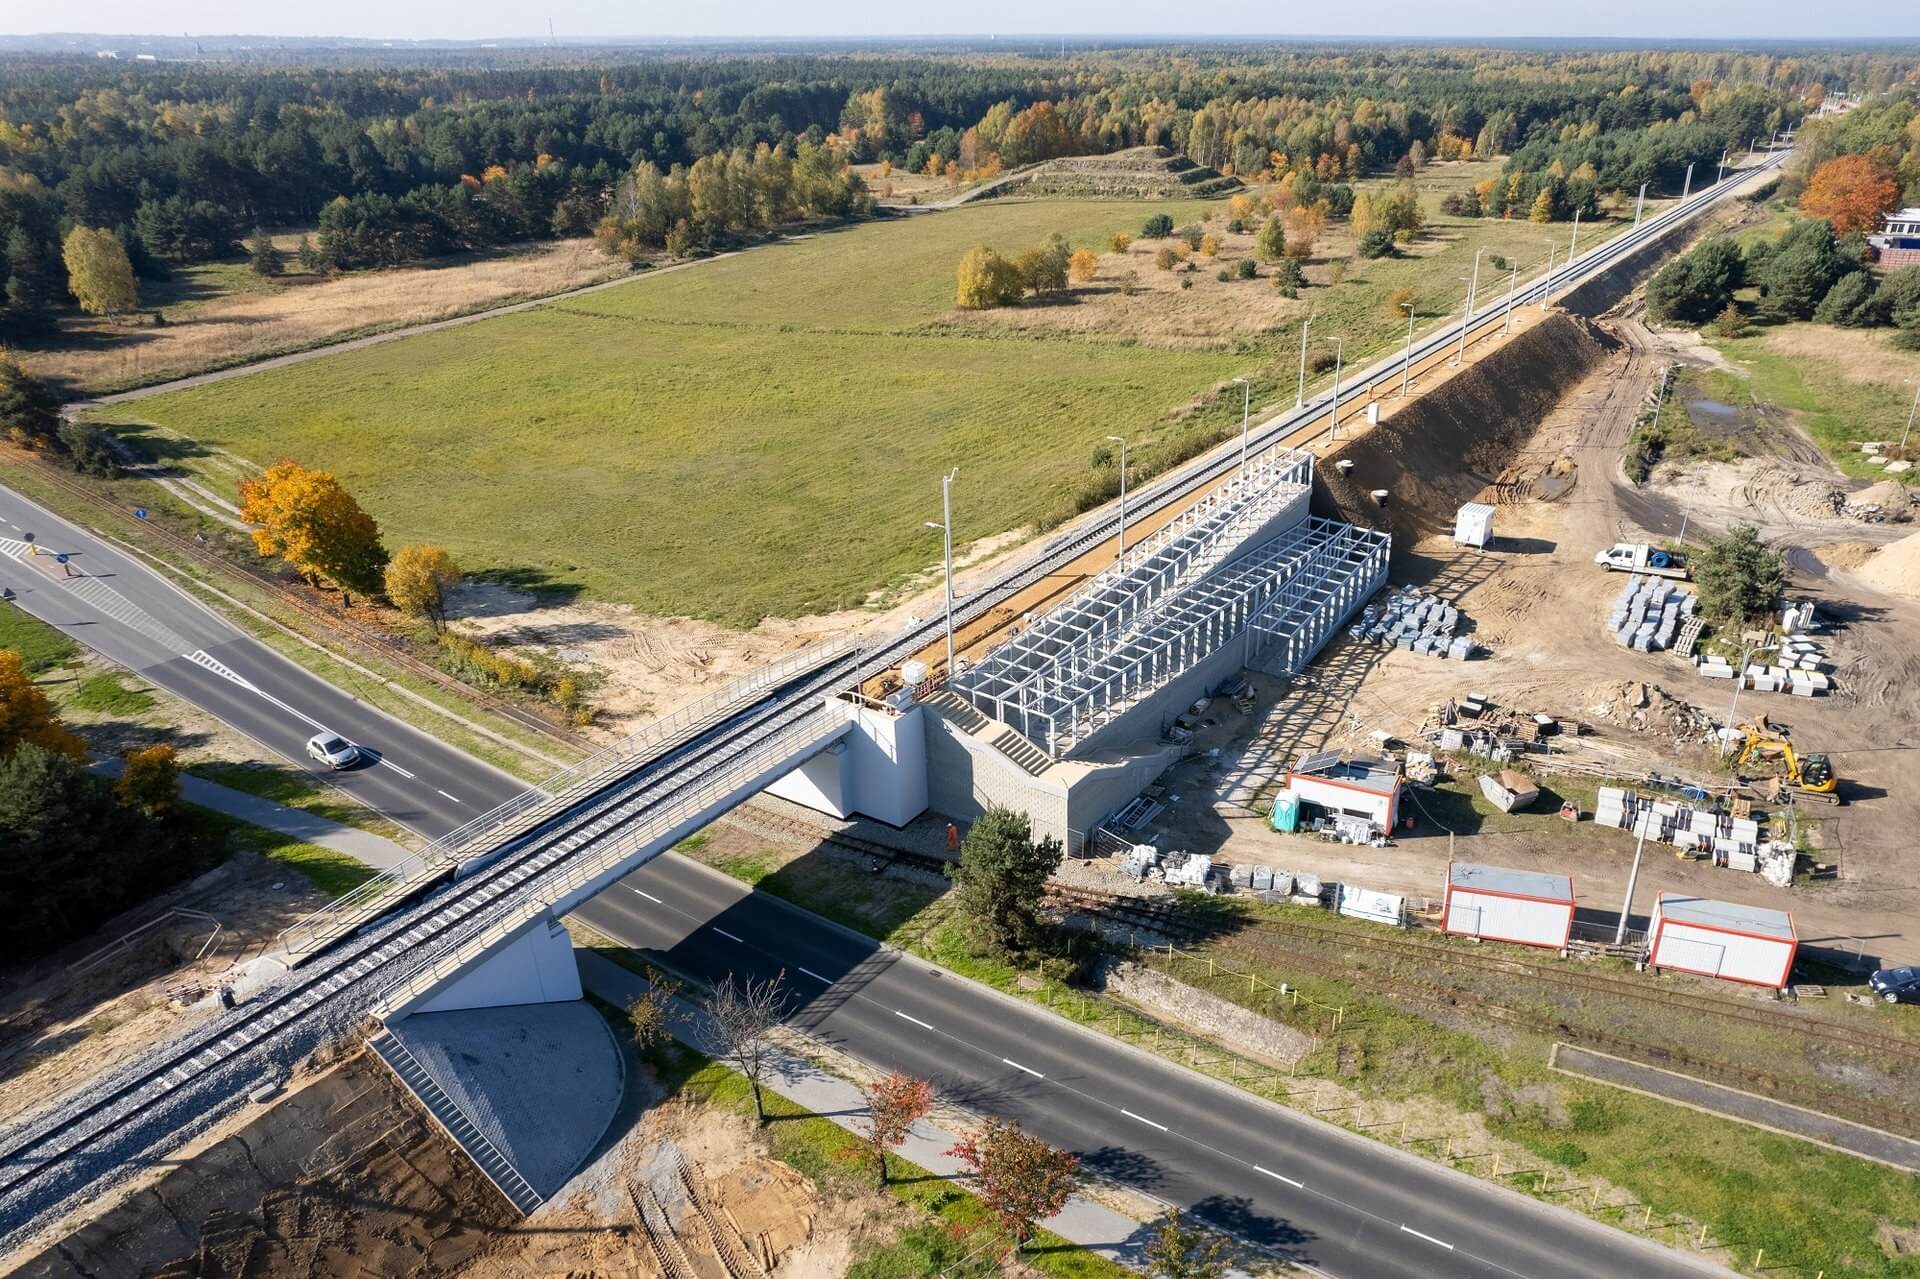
[1539, 604]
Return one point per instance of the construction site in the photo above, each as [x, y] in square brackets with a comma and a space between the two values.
[1372, 673]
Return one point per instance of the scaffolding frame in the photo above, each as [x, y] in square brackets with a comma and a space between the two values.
[1186, 548]
[1292, 590]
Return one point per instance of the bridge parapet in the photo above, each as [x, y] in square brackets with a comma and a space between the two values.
[488, 836]
[550, 895]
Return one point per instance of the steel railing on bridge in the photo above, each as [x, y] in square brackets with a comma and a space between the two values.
[552, 894]
[558, 793]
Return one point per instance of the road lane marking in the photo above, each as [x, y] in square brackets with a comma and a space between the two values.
[1439, 1243]
[644, 893]
[1017, 1066]
[1277, 1177]
[729, 936]
[915, 1020]
[808, 972]
[454, 798]
[403, 772]
[1143, 1119]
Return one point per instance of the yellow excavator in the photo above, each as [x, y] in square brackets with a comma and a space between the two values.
[1808, 776]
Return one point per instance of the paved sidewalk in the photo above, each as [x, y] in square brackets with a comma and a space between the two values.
[363, 846]
[1093, 1226]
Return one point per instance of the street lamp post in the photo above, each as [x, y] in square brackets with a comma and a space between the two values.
[946, 534]
[1120, 559]
[1333, 420]
[1467, 317]
[1573, 248]
[1406, 361]
[1687, 188]
[1300, 396]
[1717, 177]
[1246, 411]
[1640, 202]
[1513, 283]
[1909, 431]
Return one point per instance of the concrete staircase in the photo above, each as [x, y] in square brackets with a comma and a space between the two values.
[1031, 759]
[485, 1155]
[971, 720]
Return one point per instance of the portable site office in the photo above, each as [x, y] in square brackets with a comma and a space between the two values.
[1748, 944]
[1533, 908]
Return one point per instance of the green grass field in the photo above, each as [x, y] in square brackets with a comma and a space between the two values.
[761, 435]
[40, 646]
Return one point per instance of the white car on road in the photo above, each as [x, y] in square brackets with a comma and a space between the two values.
[332, 750]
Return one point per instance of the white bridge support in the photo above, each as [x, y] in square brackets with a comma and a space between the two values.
[534, 967]
[503, 959]
[879, 769]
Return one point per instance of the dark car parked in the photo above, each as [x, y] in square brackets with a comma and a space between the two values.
[1897, 985]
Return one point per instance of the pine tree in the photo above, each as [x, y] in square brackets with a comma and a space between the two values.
[262, 256]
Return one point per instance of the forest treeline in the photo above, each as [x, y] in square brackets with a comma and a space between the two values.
[181, 160]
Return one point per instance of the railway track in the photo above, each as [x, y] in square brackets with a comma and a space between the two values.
[52, 1160]
[46, 1159]
[1445, 996]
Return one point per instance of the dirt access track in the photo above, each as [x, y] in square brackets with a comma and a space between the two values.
[1539, 432]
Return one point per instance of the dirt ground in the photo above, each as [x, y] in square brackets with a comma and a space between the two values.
[382, 1191]
[231, 329]
[60, 1027]
[648, 666]
[1539, 604]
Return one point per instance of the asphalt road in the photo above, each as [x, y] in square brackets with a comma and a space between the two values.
[1314, 1193]
[1350, 1207]
[124, 610]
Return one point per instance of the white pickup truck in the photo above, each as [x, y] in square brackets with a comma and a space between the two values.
[1642, 557]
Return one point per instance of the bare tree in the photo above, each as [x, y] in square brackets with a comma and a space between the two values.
[744, 1011]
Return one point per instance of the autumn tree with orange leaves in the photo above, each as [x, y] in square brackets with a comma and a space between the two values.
[26, 716]
[894, 1105]
[1020, 1178]
[310, 521]
[1851, 193]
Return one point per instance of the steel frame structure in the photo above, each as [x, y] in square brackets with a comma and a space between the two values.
[1292, 590]
[1104, 610]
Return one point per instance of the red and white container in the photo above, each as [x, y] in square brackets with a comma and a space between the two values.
[1530, 907]
[1748, 944]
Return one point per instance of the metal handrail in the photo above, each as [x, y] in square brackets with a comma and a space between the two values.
[581, 871]
[555, 795]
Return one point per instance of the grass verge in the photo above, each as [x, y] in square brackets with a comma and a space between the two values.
[40, 646]
[390, 688]
[838, 1162]
[293, 789]
[331, 873]
[1808, 1209]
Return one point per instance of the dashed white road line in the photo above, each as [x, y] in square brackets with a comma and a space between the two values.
[1017, 1066]
[729, 936]
[1438, 1243]
[1277, 1177]
[387, 763]
[915, 1020]
[1143, 1119]
[649, 896]
[808, 972]
[444, 795]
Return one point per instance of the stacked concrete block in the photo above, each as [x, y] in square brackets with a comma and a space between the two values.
[1417, 622]
[1649, 612]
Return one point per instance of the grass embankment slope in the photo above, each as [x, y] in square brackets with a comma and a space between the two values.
[760, 435]
[1808, 1208]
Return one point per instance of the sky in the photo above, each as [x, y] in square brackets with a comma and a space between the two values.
[1730, 20]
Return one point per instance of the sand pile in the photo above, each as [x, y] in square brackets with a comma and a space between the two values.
[1895, 568]
[1847, 555]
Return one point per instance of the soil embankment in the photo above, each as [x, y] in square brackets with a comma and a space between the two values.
[1446, 446]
